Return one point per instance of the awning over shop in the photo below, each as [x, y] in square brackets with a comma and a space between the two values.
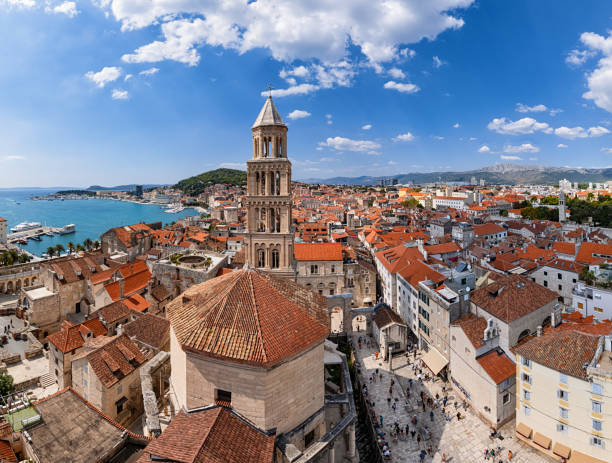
[542, 440]
[524, 430]
[578, 457]
[561, 450]
[434, 361]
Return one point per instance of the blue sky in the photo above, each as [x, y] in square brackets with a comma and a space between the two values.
[125, 91]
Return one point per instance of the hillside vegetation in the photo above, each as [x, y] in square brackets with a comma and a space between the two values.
[196, 184]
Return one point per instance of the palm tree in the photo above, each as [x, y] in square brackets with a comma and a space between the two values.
[50, 251]
[87, 243]
[59, 248]
[70, 247]
[96, 244]
[79, 248]
[24, 258]
[14, 256]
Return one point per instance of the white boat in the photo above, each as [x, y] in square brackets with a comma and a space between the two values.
[25, 226]
[66, 229]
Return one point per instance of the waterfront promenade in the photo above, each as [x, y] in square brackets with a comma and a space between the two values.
[462, 441]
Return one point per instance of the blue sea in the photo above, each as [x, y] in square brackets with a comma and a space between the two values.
[91, 217]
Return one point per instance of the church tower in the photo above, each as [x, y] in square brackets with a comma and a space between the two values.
[269, 237]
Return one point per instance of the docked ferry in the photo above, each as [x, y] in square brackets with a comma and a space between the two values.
[25, 226]
[67, 229]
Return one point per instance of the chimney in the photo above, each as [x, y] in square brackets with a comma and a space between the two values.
[119, 329]
[121, 288]
[539, 331]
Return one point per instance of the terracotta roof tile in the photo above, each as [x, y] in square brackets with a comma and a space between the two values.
[498, 365]
[473, 327]
[317, 251]
[113, 312]
[73, 337]
[115, 360]
[213, 435]
[250, 317]
[512, 297]
[384, 316]
[149, 329]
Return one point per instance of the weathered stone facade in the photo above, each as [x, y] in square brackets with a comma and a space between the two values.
[16, 277]
[269, 237]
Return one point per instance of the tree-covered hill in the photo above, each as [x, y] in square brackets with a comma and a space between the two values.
[196, 184]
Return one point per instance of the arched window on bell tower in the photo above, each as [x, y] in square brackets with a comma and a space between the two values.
[261, 258]
[275, 261]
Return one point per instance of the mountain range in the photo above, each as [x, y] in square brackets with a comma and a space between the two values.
[499, 174]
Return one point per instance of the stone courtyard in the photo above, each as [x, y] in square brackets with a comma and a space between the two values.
[461, 441]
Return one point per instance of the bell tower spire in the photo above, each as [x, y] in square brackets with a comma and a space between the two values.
[269, 237]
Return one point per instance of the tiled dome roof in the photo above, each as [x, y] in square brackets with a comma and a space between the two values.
[249, 317]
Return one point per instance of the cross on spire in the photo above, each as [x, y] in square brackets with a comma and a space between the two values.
[270, 88]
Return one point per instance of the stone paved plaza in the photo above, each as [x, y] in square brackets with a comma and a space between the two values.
[462, 441]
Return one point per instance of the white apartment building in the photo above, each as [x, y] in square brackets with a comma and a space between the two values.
[591, 300]
[445, 202]
[563, 394]
[560, 276]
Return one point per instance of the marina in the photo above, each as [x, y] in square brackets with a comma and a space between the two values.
[37, 233]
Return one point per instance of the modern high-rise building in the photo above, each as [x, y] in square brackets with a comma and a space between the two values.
[269, 237]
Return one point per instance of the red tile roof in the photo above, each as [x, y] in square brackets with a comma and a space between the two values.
[149, 329]
[132, 284]
[114, 311]
[473, 327]
[564, 247]
[72, 337]
[249, 317]
[6, 451]
[212, 435]
[488, 229]
[565, 351]
[317, 251]
[590, 252]
[497, 365]
[512, 297]
[137, 302]
[115, 360]
[443, 248]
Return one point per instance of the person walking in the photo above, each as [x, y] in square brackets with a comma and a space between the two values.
[431, 415]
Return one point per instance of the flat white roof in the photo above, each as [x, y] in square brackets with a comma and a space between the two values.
[39, 293]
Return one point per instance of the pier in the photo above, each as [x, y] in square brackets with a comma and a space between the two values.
[29, 234]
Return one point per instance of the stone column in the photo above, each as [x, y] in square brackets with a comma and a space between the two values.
[350, 436]
[332, 453]
[273, 148]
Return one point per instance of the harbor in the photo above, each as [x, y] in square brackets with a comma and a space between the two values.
[36, 233]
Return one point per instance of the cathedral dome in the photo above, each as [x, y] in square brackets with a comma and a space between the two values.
[249, 317]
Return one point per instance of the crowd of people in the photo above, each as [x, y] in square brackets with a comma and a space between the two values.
[412, 410]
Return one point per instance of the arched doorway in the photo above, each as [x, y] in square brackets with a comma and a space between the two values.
[523, 334]
[360, 323]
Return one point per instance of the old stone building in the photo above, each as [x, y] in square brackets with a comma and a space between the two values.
[64, 293]
[130, 240]
[2, 231]
[269, 236]
[269, 367]
[360, 281]
[17, 277]
[108, 377]
[320, 267]
[66, 344]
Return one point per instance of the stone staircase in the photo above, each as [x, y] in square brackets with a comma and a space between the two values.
[46, 380]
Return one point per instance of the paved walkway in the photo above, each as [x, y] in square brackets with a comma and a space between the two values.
[462, 441]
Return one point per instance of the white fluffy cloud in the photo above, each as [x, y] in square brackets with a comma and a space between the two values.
[346, 144]
[577, 57]
[68, 8]
[510, 158]
[561, 146]
[456, 125]
[401, 87]
[521, 108]
[524, 148]
[607, 150]
[404, 137]
[599, 81]
[525, 125]
[572, 133]
[484, 149]
[103, 77]
[366, 127]
[149, 72]
[292, 29]
[118, 94]
[397, 73]
[13, 157]
[301, 89]
[298, 114]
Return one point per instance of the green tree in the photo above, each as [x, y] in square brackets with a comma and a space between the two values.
[587, 276]
[24, 258]
[6, 383]
[411, 203]
[87, 243]
[70, 247]
[51, 251]
[96, 244]
[80, 247]
[503, 213]
[59, 248]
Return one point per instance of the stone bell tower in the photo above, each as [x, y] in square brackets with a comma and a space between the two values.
[269, 237]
